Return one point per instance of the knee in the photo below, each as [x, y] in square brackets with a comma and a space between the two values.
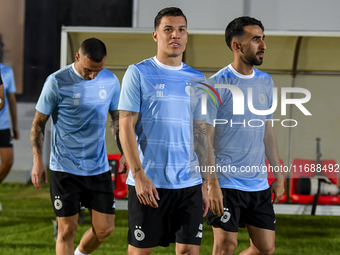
[225, 248]
[267, 250]
[102, 234]
[67, 231]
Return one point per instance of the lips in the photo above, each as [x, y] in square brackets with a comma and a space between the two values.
[173, 44]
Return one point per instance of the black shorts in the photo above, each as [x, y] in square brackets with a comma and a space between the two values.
[178, 218]
[242, 207]
[6, 139]
[70, 192]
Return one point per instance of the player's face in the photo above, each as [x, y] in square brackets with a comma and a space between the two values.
[253, 45]
[171, 36]
[87, 68]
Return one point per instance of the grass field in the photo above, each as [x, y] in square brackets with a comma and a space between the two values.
[26, 229]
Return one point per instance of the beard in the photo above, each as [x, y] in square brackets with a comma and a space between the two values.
[252, 59]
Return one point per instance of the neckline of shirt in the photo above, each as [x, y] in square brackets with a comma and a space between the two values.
[75, 71]
[239, 75]
[174, 68]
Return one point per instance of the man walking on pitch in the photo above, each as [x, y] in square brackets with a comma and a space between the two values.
[9, 111]
[78, 97]
[245, 198]
[158, 106]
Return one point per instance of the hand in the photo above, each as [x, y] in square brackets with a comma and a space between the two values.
[278, 187]
[205, 198]
[146, 190]
[38, 170]
[215, 197]
[123, 165]
[16, 134]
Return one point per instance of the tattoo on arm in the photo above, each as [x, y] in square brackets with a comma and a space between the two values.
[124, 114]
[37, 133]
[201, 144]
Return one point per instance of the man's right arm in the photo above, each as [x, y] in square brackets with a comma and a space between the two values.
[37, 142]
[2, 94]
[145, 189]
[214, 191]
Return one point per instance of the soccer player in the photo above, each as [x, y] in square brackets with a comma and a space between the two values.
[156, 113]
[78, 97]
[240, 144]
[8, 101]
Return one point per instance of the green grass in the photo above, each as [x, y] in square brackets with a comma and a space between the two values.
[26, 228]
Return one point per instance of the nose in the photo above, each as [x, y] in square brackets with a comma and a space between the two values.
[263, 46]
[92, 75]
[175, 34]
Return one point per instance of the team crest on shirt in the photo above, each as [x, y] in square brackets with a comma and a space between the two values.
[226, 216]
[190, 91]
[57, 203]
[139, 234]
[262, 98]
[102, 93]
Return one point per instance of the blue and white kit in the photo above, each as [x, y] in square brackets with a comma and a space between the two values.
[79, 109]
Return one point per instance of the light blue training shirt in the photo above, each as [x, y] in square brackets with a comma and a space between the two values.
[167, 102]
[9, 87]
[79, 110]
[238, 141]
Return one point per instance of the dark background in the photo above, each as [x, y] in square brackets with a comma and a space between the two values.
[43, 22]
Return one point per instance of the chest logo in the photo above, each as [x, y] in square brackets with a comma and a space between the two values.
[262, 98]
[102, 94]
[190, 91]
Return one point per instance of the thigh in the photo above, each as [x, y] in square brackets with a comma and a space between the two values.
[187, 216]
[102, 221]
[6, 155]
[229, 221]
[259, 211]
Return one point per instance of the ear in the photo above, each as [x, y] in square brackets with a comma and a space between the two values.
[154, 36]
[235, 45]
[77, 57]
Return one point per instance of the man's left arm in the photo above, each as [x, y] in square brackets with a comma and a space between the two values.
[12, 103]
[114, 126]
[272, 154]
[201, 150]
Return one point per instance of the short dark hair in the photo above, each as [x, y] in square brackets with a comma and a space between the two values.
[166, 12]
[94, 49]
[236, 28]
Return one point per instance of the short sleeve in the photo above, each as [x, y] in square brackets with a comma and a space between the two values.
[116, 95]
[11, 82]
[130, 96]
[48, 99]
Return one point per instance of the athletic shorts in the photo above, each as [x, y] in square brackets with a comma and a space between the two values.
[178, 218]
[6, 139]
[242, 207]
[70, 192]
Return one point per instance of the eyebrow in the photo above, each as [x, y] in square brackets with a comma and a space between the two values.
[181, 26]
[258, 36]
